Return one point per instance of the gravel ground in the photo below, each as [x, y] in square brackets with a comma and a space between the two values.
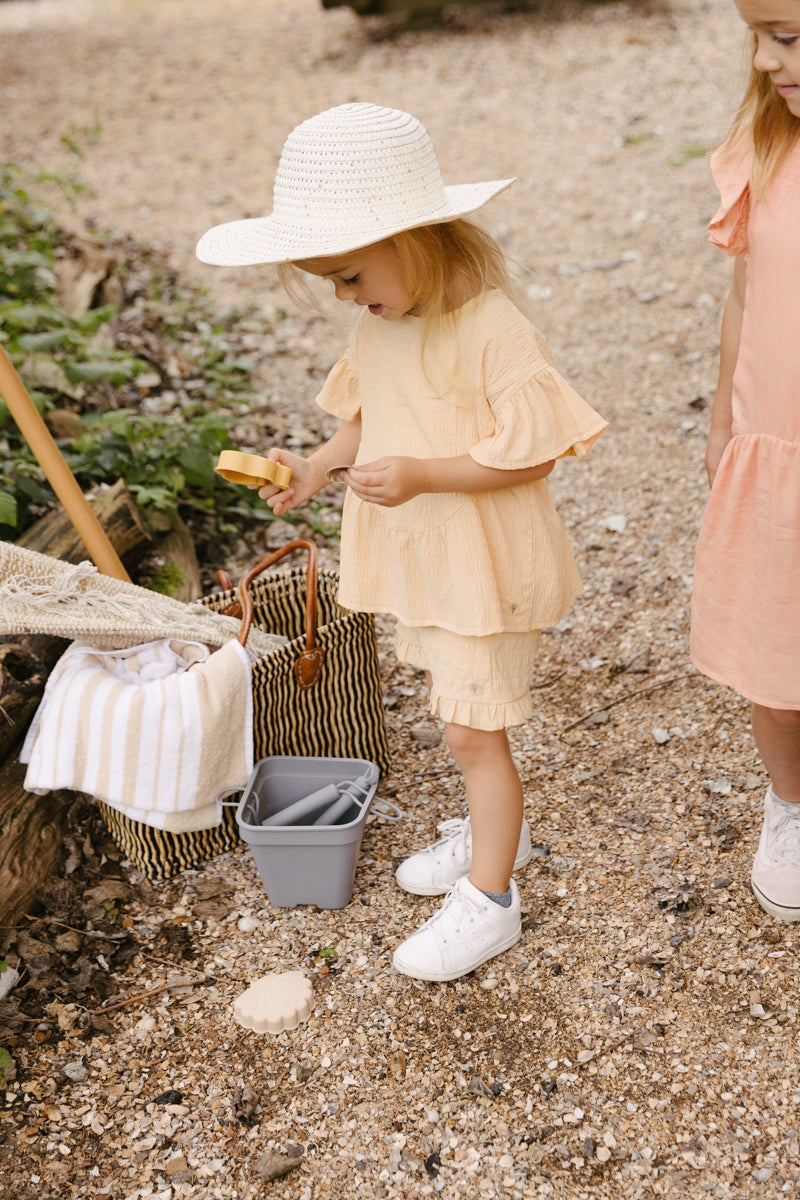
[641, 1039]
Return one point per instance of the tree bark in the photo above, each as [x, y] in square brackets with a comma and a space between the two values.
[31, 840]
[25, 663]
[116, 511]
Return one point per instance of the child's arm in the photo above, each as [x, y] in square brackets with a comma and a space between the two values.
[308, 474]
[394, 480]
[720, 431]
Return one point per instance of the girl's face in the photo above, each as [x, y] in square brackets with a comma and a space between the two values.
[371, 277]
[776, 26]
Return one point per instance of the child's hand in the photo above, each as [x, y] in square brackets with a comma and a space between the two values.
[306, 482]
[715, 448]
[388, 481]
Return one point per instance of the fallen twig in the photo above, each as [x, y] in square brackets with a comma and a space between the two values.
[156, 991]
[653, 687]
[609, 1049]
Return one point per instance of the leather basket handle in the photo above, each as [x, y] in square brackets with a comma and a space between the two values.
[308, 666]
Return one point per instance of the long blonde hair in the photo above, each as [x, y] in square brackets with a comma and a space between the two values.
[773, 129]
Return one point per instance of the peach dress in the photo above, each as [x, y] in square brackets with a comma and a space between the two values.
[473, 564]
[746, 600]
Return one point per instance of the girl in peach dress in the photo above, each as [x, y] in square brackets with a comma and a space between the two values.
[452, 415]
[746, 602]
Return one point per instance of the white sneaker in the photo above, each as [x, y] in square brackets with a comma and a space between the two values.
[776, 866]
[467, 930]
[433, 871]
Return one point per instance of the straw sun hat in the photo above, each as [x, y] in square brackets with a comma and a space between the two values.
[347, 178]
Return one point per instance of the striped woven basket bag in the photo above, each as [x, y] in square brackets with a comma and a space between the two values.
[320, 695]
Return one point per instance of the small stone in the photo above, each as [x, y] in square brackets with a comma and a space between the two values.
[9, 978]
[661, 736]
[272, 1166]
[432, 1164]
[602, 1154]
[177, 1165]
[425, 735]
[247, 924]
[640, 663]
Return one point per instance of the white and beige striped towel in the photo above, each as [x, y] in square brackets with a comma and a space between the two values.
[156, 730]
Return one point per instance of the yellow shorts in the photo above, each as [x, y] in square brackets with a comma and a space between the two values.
[480, 682]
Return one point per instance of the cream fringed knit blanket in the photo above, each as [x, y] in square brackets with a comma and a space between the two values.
[157, 730]
[123, 717]
[40, 594]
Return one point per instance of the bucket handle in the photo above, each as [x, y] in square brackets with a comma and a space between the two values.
[229, 791]
[384, 810]
[380, 809]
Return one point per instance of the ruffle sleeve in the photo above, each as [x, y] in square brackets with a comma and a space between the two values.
[545, 418]
[730, 168]
[339, 394]
[533, 414]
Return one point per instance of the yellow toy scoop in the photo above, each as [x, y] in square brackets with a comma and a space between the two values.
[253, 470]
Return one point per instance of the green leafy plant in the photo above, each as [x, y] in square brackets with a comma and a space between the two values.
[167, 580]
[92, 366]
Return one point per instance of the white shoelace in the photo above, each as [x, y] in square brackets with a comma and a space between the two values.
[458, 908]
[456, 833]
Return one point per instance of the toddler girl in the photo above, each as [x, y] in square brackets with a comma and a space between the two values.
[746, 602]
[451, 417]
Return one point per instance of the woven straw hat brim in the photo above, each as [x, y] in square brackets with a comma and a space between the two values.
[272, 240]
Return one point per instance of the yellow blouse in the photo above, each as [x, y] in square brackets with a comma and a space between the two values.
[482, 384]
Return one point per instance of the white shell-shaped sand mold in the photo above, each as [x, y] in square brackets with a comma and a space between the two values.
[275, 1002]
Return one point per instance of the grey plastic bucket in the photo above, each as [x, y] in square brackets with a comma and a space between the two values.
[305, 863]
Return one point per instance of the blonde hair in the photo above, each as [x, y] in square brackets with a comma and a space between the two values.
[773, 128]
[442, 265]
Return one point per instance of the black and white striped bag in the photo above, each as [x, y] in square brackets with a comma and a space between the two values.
[318, 696]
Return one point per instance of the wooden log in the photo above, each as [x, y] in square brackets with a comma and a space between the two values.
[25, 663]
[31, 840]
[117, 512]
[178, 571]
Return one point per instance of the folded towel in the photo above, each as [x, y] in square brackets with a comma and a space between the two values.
[156, 730]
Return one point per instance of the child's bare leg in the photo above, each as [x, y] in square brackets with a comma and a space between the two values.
[471, 927]
[777, 736]
[494, 796]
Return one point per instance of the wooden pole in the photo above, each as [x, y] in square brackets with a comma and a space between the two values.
[58, 474]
